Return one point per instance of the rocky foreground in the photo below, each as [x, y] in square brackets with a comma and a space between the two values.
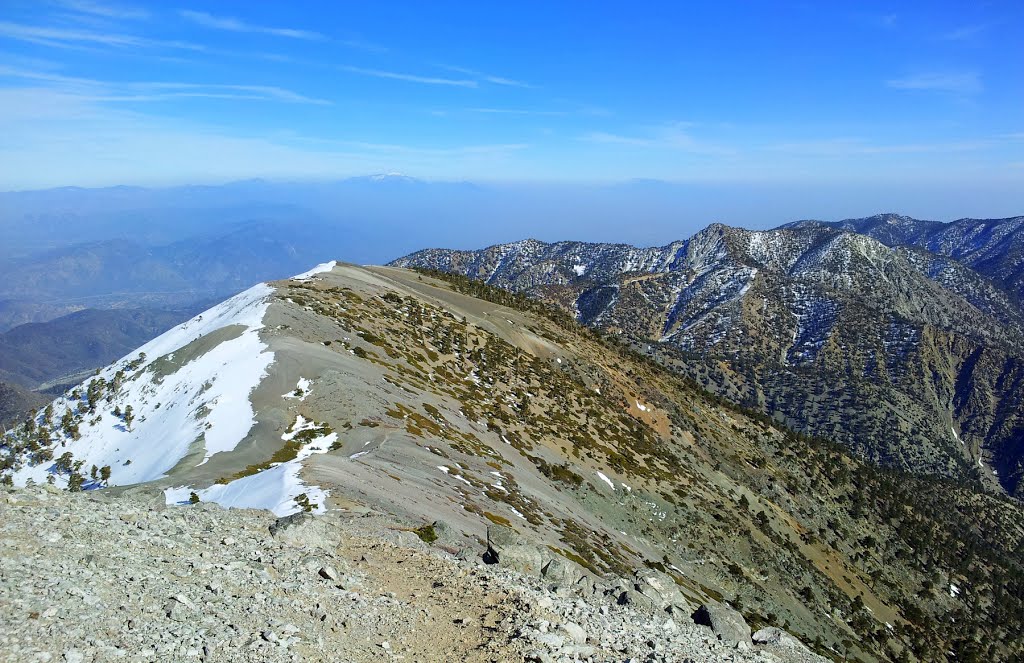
[89, 577]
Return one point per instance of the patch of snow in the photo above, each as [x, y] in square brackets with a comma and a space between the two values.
[319, 269]
[954, 590]
[579, 269]
[641, 406]
[608, 481]
[275, 488]
[443, 469]
[302, 385]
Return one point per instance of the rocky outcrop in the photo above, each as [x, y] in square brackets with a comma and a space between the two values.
[507, 548]
[728, 624]
[773, 635]
[304, 530]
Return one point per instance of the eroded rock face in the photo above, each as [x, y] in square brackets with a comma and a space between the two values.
[728, 625]
[507, 548]
[149, 497]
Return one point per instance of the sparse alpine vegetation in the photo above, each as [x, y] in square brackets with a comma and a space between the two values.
[461, 410]
[912, 359]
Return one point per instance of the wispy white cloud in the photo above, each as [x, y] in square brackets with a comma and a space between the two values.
[62, 37]
[965, 33]
[846, 147]
[487, 78]
[668, 137]
[517, 111]
[417, 150]
[888, 21]
[106, 10]
[966, 82]
[412, 78]
[236, 25]
[109, 91]
[117, 145]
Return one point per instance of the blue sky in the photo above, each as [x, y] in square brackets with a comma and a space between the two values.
[833, 96]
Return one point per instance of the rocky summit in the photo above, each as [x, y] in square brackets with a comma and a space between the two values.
[424, 466]
[127, 579]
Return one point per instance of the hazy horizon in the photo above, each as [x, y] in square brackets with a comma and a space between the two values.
[369, 220]
[803, 111]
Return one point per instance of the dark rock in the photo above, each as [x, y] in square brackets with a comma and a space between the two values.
[728, 625]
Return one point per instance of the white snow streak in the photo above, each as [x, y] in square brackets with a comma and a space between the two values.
[319, 269]
[608, 481]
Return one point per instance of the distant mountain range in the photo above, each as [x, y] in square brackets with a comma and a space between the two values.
[910, 353]
[992, 247]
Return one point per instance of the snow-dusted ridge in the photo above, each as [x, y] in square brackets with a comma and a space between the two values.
[319, 269]
[188, 391]
[180, 392]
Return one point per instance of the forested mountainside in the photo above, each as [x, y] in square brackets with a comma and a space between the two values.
[909, 358]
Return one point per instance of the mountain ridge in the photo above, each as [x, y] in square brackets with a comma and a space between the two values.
[384, 390]
[870, 319]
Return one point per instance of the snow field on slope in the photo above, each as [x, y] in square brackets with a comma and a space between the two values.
[208, 396]
[274, 489]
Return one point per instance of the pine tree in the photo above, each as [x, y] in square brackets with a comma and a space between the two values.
[105, 474]
[67, 421]
[63, 464]
[193, 498]
[129, 416]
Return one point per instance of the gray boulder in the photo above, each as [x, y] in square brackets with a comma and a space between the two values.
[661, 591]
[150, 497]
[562, 571]
[304, 530]
[637, 600]
[773, 635]
[507, 548]
[728, 625]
